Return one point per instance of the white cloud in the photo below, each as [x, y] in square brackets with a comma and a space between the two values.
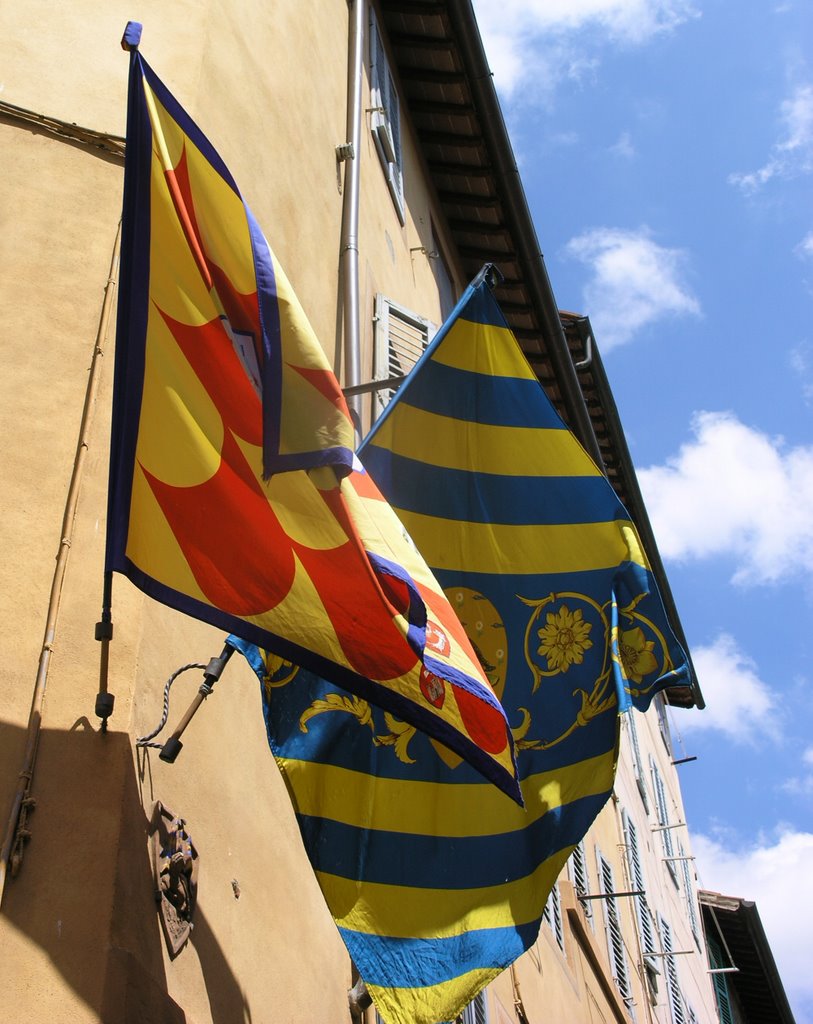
[798, 785]
[739, 704]
[772, 873]
[801, 363]
[793, 153]
[737, 492]
[801, 785]
[532, 41]
[634, 282]
[805, 247]
[623, 147]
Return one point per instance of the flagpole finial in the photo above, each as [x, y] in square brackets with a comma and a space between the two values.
[132, 36]
[491, 274]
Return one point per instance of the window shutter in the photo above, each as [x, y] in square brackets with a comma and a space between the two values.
[399, 339]
[691, 901]
[720, 981]
[385, 121]
[615, 939]
[663, 819]
[552, 916]
[637, 764]
[675, 996]
[578, 876]
[645, 928]
[476, 1012]
[663, 722]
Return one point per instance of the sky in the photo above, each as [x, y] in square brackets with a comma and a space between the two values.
[666, 148]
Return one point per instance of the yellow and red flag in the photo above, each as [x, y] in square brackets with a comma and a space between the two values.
[235, 495]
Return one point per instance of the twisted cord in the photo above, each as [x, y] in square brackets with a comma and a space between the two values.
[144, 741]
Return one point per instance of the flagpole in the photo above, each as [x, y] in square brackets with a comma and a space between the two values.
[105, 700]
[104, 634]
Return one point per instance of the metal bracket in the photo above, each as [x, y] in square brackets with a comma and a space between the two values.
[175, 873]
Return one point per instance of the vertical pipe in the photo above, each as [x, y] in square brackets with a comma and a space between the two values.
[21, 801]
[350, 213]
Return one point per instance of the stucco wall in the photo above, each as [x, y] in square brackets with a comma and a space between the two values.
[78, 928]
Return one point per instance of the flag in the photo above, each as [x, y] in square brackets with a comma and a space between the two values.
[435, 882]
[235, 495]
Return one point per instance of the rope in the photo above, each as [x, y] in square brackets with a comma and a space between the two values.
[144, 741]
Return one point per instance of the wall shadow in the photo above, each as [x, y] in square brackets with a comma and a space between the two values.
[85, 895]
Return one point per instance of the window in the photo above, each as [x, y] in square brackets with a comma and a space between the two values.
[663, 722]
[577, 869]
[399, 339]
[646, 928]
[663, 819]
[720, 982]
[615, 940]
[691, 901]
[552, 916]
[637, 764]
[675, 995]
[476, 1012]
[385, 120]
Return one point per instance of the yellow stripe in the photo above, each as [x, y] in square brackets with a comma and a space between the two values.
[485, 349]
[406, 912]
[482, 447]
[446, 999]
[522, 550]
[431, 808]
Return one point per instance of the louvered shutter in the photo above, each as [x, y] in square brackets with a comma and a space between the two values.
[675, 996]
[578, 876]
[476, 1012]
[720, 982]
[552, 916]
[615, 938]
[399, 339]
[385, 120]
[663, 819]
[645, 928]
[691, 899]
[637, 763]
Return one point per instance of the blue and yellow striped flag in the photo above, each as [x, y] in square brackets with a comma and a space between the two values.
[436, 881]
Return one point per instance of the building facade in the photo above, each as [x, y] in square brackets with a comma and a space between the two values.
[439, 194]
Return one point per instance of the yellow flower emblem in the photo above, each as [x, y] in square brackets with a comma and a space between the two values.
[636, 655]
[564, 639]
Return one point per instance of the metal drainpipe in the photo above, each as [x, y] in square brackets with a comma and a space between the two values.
[350, 213]
[21, 797]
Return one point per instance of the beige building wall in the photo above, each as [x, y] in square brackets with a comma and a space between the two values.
[78, 929]
[573, 981]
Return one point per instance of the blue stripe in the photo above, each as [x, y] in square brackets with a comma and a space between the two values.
[478, 398]
[417, 963]
[444, 862]
[459, 494]
[483, 308]
[375, 692]
[337, 738]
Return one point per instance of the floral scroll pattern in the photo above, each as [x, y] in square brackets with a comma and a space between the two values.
[571, 631]
[567, 636]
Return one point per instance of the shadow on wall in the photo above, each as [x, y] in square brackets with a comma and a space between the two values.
[84, 893]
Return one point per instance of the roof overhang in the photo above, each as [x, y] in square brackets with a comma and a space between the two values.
[449, 91]
[757, 982]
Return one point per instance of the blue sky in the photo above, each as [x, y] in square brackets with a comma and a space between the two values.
[666, 148]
